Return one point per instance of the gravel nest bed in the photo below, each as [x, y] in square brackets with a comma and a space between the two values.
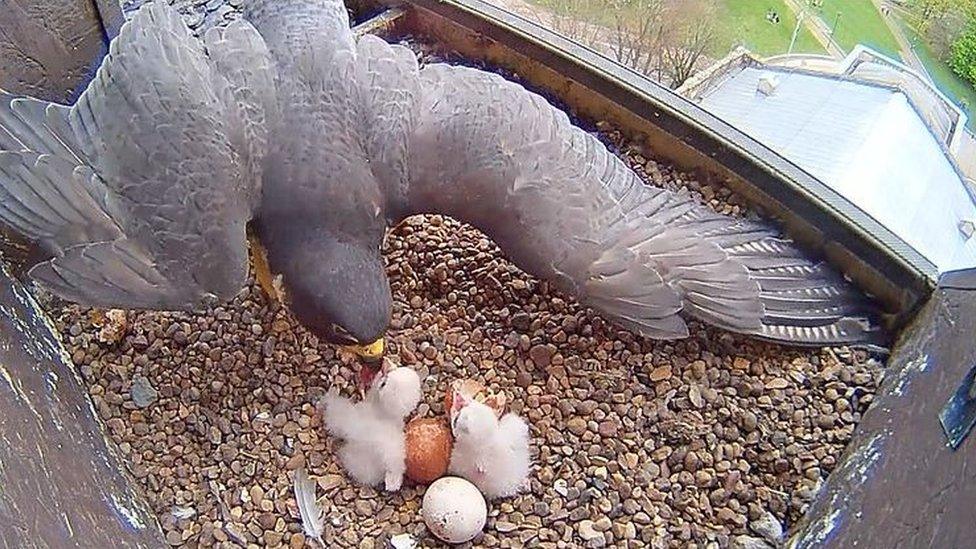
[715, 440]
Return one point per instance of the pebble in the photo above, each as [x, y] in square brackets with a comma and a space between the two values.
[576, 425]
[749, 542]
[541, 355]
[142, 392]
[540, 509]
[505, 526]
[403, 541]
[660, 373]
[777, 383]
[587, 530]
[330, 482]
[652, 470]
[296, 461]
[607, 429]
[767, 526]
[749, 421]
[363, 508]
[826, 421]
[257, 495]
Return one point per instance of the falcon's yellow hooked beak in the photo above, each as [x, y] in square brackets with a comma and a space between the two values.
[369, 353]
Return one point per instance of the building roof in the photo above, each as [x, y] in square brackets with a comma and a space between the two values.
[864, 139]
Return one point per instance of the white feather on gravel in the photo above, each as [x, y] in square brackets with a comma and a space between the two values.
[313, 515]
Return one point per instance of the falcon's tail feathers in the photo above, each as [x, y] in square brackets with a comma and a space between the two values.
[804, 302]
[811, 305]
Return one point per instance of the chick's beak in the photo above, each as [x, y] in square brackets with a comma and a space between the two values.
[372, 369]
[370, 353]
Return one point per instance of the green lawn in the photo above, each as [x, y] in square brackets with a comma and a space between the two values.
[959, 90]
[738, 22]
[744, 22]
[859, 22]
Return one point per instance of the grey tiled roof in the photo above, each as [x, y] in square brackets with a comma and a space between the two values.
[867, 142]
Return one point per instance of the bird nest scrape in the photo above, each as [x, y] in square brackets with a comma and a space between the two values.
[710, 438]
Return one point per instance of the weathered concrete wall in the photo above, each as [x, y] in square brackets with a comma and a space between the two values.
[61, 485]
[48, 48]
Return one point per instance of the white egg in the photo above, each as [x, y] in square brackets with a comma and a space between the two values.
[454, 510]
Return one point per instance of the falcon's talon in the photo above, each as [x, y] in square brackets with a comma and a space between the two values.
[262, 271]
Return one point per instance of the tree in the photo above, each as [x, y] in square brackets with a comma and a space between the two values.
[963, 56]
[663, 39]
[943, 31]
[573, 19]
[638, 30]
[926, 11]
[687, 44]
[947, 26]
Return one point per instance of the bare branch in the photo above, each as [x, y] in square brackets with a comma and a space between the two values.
[663, 39]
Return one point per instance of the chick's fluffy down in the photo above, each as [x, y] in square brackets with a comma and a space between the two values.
[493, 454]
[374, 451]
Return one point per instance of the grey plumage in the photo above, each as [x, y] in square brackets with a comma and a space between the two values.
[324, 141]
[153, 159]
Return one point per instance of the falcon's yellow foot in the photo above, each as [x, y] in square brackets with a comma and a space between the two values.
[270, 285]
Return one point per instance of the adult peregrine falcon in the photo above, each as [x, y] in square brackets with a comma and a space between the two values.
[143, 189]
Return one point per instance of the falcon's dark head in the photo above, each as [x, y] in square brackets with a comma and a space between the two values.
[338, 289]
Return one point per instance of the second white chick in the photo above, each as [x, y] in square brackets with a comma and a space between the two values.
[374, 451]
[492, 453]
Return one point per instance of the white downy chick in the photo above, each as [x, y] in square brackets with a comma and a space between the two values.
[492, 453]
[374, 451]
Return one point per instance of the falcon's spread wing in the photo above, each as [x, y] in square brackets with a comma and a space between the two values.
[487, 151]
[142, 189]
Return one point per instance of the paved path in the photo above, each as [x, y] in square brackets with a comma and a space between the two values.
[907, 52]
[819, 29]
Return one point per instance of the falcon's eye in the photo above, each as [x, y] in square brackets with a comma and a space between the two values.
[343, 336]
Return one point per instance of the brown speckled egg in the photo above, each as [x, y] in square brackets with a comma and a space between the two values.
[428, 442]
